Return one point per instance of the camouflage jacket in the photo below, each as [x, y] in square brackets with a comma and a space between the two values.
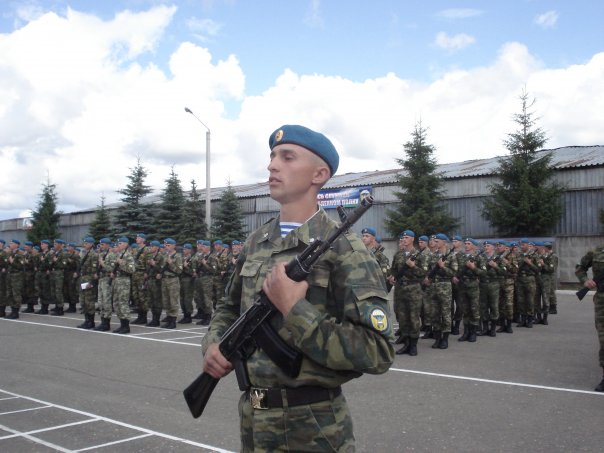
[493, 273]
[550, 263]
[382, 260]
[594, 259]
[16, 262]
[467, 275]
[448, 270]
[528, 269]
[141, 257]
[59, 260]
[3, 258]
[402, 272]
[45, 262]
[89, 265]
[173, 268]
[126, 268]
[341, 327]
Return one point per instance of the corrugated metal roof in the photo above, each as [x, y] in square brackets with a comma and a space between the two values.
[562, 158]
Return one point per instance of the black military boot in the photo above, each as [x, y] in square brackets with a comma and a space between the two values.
[29, 309]
[553, 309]
[538, 318]
[522, 322]
[164, 319]
[502, 323]
[466, 333]
[484, 328]
[2, 312]
[455, 329]
[154, 320]
[186, 319]
[492, 328]
[141, 318]
[437, 337]
[170, 323]
[57, 311]
[124, 327]
[14, 313]
[198, 315]
[600, 387]
[544, 319]
[472, 336]
[401, 339]
[529, 322]
[43, 310]
[444, 341]
[429, 333]
[71, 309]
[508, 326]
[104, 326]
[405, 349]
[88, 322]
[412, 347]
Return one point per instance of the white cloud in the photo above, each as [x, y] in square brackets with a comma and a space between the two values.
[453, 43]
[204, 29]
[73, 107]
[548, 19]
[313, 16]
[459, 13]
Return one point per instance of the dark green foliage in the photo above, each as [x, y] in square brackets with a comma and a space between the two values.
[227, 222]
[168, 220]
[45, 219]
[527, 201]
[134, 217]
[421, 206]
[193, 217]
[100, 227]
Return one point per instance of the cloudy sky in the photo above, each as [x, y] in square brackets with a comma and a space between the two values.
[87, 87]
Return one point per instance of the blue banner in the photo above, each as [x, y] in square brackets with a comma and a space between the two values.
[349, 197]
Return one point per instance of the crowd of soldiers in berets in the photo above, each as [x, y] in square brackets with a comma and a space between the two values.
[116, 277]
[486, 286]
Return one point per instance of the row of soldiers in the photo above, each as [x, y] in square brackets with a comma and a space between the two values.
[112, 277]
[487, 286]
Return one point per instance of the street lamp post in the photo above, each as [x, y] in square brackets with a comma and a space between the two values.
[208, 187]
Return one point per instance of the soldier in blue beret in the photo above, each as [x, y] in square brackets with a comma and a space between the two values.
[301, 162]
[71, 294]
[140, 293]
[457, 250]
[370, 240]
[13, 269]
[526, 283]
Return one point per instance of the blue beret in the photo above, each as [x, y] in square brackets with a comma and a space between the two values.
[442, 237]
[472, 241]
[369, 230]
[124, 239]
[539, 243]
[309, 139]
[28, 243]
[457, 237]
[72, 244]
[423, 238]
[134, 246]
[207, 243]
[89, 239]
[236, 242]
[37, 248]
[513, 244]
[105, 241]
[59, 241]
[524, 241]
[378, 239]
[141, 235]
[218, 241]
[21, 249]
[489, 242]
[408, 233]
[169, 241]
[548, 244]
[162, 246]
[16, 241]
[187, 246]
[200, 241]
[45, 241]
[3, 241]
[155, 244]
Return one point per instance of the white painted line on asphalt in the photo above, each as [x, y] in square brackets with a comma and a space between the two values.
[491, 381]
[51, 428]
[25, 410]
[114, 442]
[184, 338]
[35, 439]
[9, 398]
[77, 329]
[109, 420]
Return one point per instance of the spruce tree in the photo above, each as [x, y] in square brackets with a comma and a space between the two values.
[100, 227]
[168, 219]
[227, 222]
[193, 222]
[420, 206]
[527, 201]
[134, 217]
[45, 219]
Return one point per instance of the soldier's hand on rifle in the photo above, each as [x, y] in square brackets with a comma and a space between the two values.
[215, 364]
[591, 284]
[410, 263]
[282, 291]
[492, 263]
[455, 280]
[471, 265]
[391, 279]
[440, 263]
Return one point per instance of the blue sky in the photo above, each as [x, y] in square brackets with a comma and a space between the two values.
[83, 79]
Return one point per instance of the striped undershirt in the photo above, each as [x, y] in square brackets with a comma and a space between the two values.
[286, 227]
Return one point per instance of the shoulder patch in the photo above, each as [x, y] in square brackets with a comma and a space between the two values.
[378, 319]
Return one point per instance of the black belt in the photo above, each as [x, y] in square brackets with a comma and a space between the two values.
[269, 398]
[409, 282]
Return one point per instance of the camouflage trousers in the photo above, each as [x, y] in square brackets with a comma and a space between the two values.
[88, 296]
[469, 293]
[318, 427]
[170, 293]
[30, 292]
[218, 284]
[428, 312]
[441, 301]
[208, 293]
[43, 283]
[121, 296]
[407, 306]
[70, 293]
[506, 299]
[56, 280]
[599, 318]
[548, 287]
[526, 287]
[140, 294]
[105, 297]
[198, 295]
[537, 306]
[14, 289]
[489, 300]
[3, 289]
[456, 311]
[186, 294]
[155, 299]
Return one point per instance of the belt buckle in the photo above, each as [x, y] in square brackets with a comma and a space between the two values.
[258, 398]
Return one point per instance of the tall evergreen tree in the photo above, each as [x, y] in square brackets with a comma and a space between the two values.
[134, 217]
[168, 219]
[527, 201]
[100, 227]
[45, 219]
[193, 222]
[420, 206]
[227, 222]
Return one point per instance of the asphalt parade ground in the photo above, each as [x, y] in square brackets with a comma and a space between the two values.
[70, 390]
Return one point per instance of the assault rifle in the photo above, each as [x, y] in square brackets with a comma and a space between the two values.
[599, 279]
[252, 328]
[434, 269]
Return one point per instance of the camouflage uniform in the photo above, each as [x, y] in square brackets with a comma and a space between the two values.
[595, 259]
[87, 274]
[140, 293]
[527, 287]
[44, 289]
[469, 292]
[14, 283]
[70, 291]
[105, 293]
[442, 292]
[170, 284]
[490, 287]
[427, 309]
[154, 287]
[3, 277]
[548, 283]
[384, 263]
[553, 301]
[506, 293]
[121, 283]
[186, 288]
[29, 282]
[341, 328]
[57, 279]
[209, 267]
[218, 263]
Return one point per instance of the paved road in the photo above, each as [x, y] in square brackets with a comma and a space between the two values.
[64, 389]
